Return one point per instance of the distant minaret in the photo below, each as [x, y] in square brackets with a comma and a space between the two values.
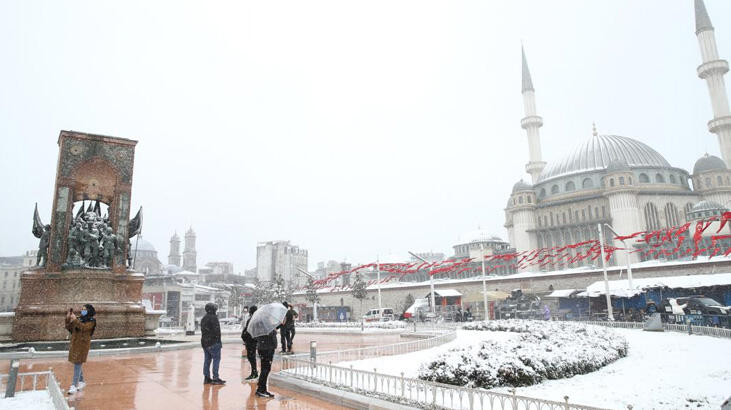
[174, 256]
[531, 123]
[189, 254]
[712, 70]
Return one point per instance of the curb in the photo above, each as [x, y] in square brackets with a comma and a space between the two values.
[338, 397]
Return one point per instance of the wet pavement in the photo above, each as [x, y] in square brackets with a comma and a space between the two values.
[174, 380]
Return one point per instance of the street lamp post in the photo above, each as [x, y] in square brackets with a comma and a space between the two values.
[610, 313]
[314, 304]
[484, 280]
[629, 258]
[378, 281]
[431, 282]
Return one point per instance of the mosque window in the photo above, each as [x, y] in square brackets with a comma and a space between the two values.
[583, 215]
[596, 212]
[644, 178]
[671, 215]
[554, 189]
[621, 180]
[543, 193]
[530, 201]
[708, 182]
[520, 199]
[672, 178]
[611, 181]
[652, 221]
[728, 181]
[719, 180]
[604, 212]
[576, 216]
[659, 178]
[587, 183]
[564, 218]
[570, 186]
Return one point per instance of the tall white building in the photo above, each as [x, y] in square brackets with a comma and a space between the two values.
[11, 267]
[281, 258]
[618, 180]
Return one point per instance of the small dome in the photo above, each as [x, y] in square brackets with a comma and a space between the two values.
[707, 206]
[709, 163]
[479, 235]
[522, 186]
[617, 165]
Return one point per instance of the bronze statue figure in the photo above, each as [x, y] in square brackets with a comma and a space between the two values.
[42, 232]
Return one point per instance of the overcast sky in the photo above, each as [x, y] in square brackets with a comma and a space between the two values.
[353, 129]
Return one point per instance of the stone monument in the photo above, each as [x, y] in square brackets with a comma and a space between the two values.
[84, 256]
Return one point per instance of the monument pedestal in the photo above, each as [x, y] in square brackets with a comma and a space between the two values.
[45, 297]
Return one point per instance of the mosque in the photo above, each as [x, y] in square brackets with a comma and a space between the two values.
[619, 181]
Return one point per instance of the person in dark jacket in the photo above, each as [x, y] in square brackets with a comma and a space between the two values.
[288, 328]
[250, 344]
[266, 345]
[211, 343]
[81, 329]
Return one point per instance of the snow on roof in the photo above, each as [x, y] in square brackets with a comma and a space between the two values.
[563, 293]
[446, 292]
[185, 272]
[621, 287]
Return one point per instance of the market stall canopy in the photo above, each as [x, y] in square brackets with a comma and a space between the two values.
[475, 297]
[445, 293]
[620, 288]
[563, 293]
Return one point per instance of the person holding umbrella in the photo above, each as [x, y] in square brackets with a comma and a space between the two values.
[263, 327]
[250, 344]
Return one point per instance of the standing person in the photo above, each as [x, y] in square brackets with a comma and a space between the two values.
[288, 328]
[250, 344]
[266, 345]
[81, 331]
[211, 343]
[546, 313]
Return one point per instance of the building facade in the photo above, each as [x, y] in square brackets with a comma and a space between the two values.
[281, 258]
[616, 180]
[11, 267]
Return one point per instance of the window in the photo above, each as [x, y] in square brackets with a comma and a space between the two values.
[543, 193]
[644, 178]
[621, 180]
[587, 183]
[630, 180]
[611, 182]
[576, 216]
[719, 180]
[672, 178]
[671, 215]
[564, 218]
[530, 201]
[583, 215]
[652, 222]
[520, 199]
[688, 209]
[659, 179]
[708, 182]
[554, 189]
[596, 212]
[604, 212]
[570, 186]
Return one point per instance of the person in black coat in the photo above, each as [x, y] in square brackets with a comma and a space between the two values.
[211, 343]
[266, 345]
[250, 344]
[287, 331]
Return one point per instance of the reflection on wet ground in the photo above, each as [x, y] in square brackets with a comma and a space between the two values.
[174, 380]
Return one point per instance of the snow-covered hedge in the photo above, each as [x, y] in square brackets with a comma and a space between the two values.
[379, 325]
[542, 350]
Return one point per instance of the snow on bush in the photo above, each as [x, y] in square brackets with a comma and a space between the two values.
[544, 350]
[379, 325]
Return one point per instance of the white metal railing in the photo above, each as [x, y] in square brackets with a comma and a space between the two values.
[685, 328]
[335, 356]
[416, 392]
[32, 381]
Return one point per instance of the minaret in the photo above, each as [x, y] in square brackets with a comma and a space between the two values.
[712, 70]
[189, 254]
[531, 123]
[174, 256]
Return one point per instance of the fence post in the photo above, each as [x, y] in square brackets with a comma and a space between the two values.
[313, 352]
[690, 327]
[566, 399]
[329, 371]
[402, 385]
[352, 384]
[12, 378]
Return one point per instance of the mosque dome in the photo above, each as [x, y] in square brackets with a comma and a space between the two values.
[596, 153]
[479, 235]
[618, 165]
[522, 186]
[709, 163]
[707, 206]
[142, 245]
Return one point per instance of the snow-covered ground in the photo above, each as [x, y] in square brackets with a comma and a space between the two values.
[661, 371]
[28, 400]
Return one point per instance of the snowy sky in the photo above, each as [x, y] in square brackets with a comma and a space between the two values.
[354, 129]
